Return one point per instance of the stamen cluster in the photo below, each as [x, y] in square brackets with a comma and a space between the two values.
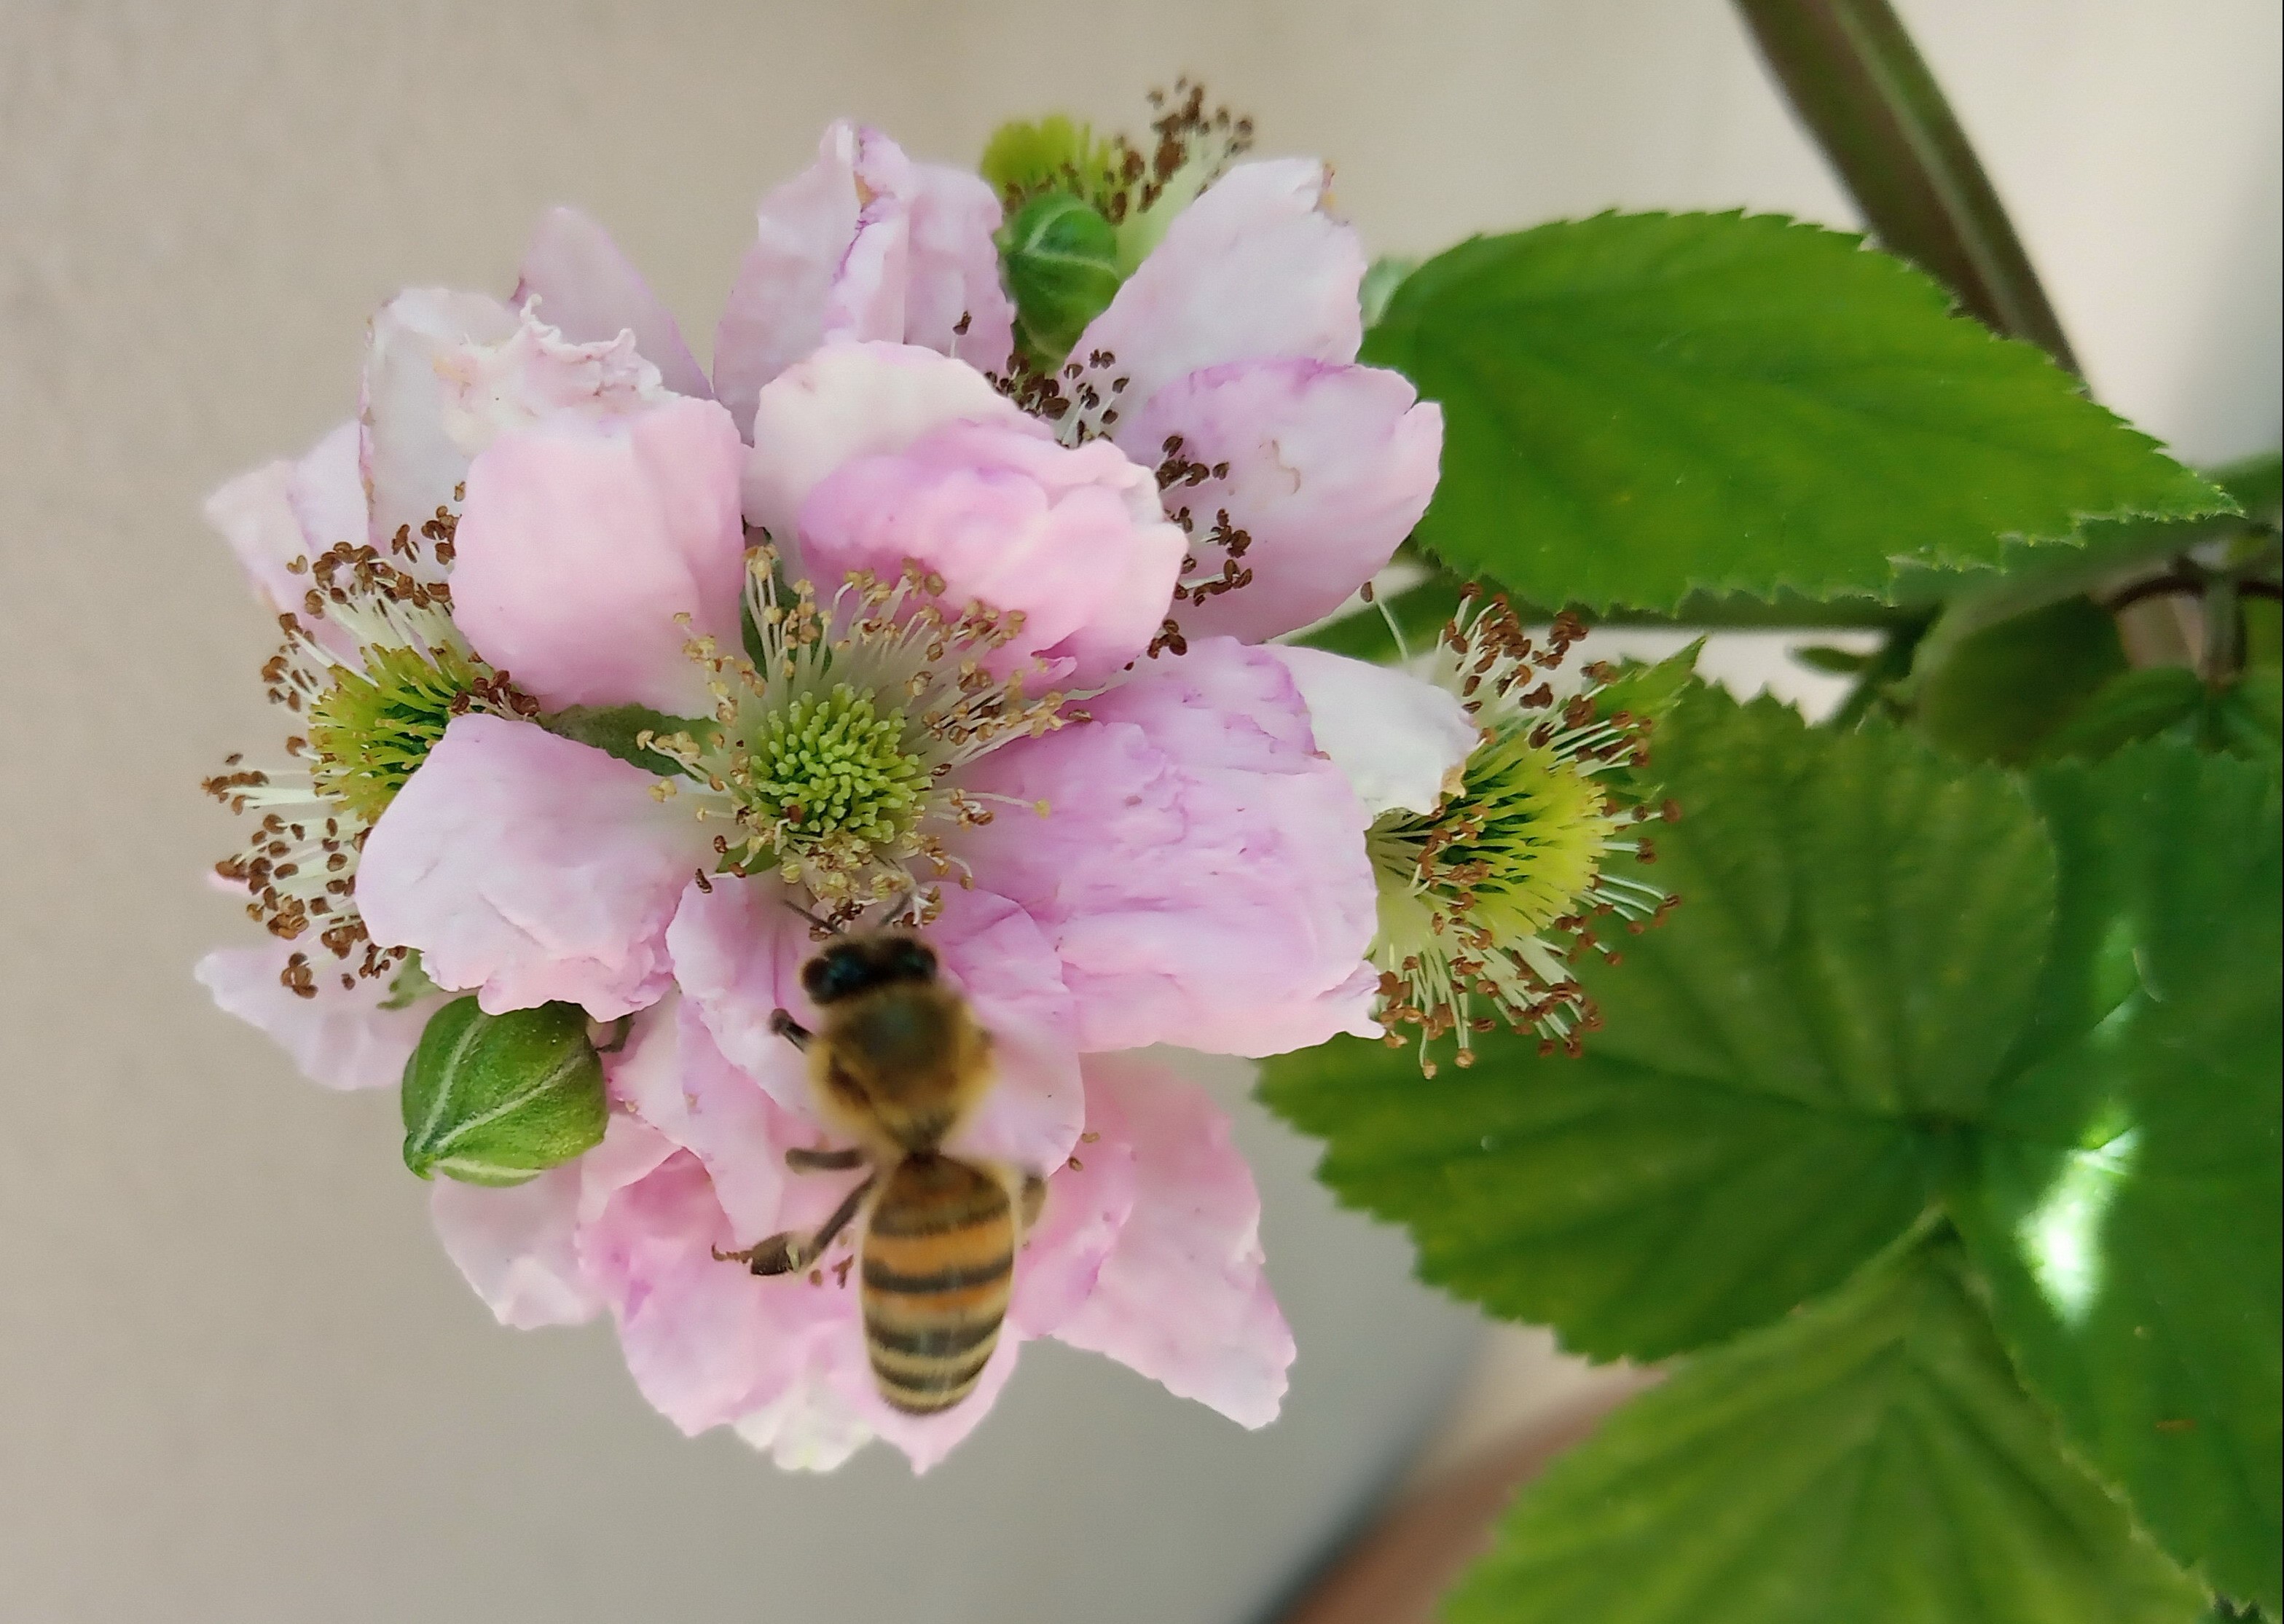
[1191, 149]
[1487, 902]
[835, 741]
[370, 717]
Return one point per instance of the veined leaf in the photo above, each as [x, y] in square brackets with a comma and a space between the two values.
[1872, 1460]
[2126, 1206]
[1640, 406]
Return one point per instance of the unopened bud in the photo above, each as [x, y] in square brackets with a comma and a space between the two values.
[1061, 258]
[497, 1099]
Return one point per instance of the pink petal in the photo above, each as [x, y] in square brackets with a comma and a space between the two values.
[1201, 870]
[581, 540]
[864, 243]
[514, 1246]
[518, 1246]
[808, 1427]
[326, 491]
[445, 373]
[737, 951]
[1329, 467]
[1089, 1198]
[1073, 539]
[590, 290]
[289, 509]
[707, 1341]
[1183, 1298]
[954, 303]
[532, 869]
[674, 1078]
[858, 400]
[342, 1038]
[828, 241]
[1254, 267]
[1401, 741]
[738, 948]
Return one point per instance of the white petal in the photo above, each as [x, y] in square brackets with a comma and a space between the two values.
[1401, 741]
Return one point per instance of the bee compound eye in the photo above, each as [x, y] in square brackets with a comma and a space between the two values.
[914, 960]
[833, 973]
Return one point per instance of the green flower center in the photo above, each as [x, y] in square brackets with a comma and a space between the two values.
[1522, 843]
[370, 730]
[829, 770]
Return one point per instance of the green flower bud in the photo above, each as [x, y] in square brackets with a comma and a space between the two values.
[497, 1099]
[1062, 259]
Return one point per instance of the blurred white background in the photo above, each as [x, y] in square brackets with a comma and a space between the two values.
[238, 1381]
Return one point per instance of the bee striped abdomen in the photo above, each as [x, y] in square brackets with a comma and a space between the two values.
[938, 1261]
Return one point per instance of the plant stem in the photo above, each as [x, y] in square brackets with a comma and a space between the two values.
[1866, 94]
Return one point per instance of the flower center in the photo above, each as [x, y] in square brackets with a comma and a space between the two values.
[363, 729]
[828, 767]
[1520, 844]
[370, 729]
[1485, 902]
[833, 754]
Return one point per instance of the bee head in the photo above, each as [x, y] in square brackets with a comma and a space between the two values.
[857, 965]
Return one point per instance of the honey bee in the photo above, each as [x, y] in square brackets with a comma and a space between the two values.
[896, 1064]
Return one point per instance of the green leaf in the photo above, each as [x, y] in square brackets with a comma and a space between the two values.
[614, 730]
[410, 984]
[2133, 705]
[1838, 661]
[1639, 406]
[1995, 695]
[2246, 718]
[496, 1099]
[1871, 1461]
[1770, 1096]
[2126, 1206]
[2172, 702]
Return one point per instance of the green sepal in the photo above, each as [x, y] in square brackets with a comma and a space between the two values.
[1023, 157]
[1061, 263]
[498, 1100]
[410, 985]
[613, 729]
[1380, 281]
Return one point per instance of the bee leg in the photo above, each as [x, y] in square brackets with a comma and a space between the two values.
[784, 1026]
[823, 1161]
[779, 1254]
[839, 1221]
[1032, 1197]
[785, 1252]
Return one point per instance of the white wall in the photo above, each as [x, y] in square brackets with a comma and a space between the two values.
[237, 1382]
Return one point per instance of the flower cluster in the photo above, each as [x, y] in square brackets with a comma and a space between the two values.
[615, 681]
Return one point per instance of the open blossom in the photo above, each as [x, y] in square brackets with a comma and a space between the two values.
[861, 628]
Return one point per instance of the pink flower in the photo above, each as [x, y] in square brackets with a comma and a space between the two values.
[976, 678]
